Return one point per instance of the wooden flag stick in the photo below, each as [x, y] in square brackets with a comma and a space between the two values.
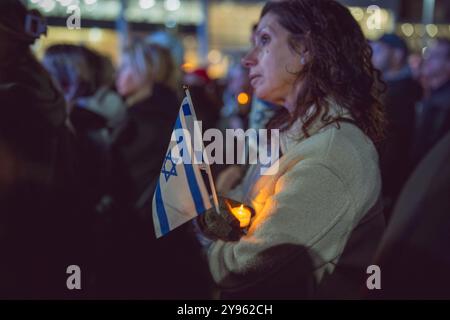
[206, 165]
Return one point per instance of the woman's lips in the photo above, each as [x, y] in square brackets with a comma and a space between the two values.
[254, 79]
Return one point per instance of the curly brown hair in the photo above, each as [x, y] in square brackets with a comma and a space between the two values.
[339, 67]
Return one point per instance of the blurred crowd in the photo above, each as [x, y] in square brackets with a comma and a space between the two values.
[417, 104]
[82, 143]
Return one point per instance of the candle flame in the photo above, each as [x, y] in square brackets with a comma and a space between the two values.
[242, 214]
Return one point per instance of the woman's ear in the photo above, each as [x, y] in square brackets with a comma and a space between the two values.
[304, 57]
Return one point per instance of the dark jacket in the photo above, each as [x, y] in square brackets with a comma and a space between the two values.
[400, 99]
[98, 120]
[41, 216]
[413, 255]
[433, 121]
[141, 147]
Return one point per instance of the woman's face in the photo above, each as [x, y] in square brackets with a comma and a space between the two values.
[128, 80]
[273, 64]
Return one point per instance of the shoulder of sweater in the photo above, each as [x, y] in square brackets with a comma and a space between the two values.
[345, 150]
[334, 140]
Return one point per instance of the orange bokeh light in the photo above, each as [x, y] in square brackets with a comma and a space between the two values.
[243, 98]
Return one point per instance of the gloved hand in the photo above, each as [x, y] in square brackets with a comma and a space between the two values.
[223, 225]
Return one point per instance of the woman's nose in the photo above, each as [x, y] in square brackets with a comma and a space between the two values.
[249, 59]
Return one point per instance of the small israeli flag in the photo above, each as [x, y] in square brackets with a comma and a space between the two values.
[181, 193]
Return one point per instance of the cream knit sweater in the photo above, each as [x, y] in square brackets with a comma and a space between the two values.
[325, 186]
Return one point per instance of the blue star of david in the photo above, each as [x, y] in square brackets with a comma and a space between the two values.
[171, 170]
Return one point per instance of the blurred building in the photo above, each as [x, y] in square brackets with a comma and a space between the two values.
[215, 32]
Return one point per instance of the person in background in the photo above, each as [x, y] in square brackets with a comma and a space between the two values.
[152, 110]
[415, 64]
[44, 227]
[98, 116]
[96, 112]
[86, 79]
[390, 56]
[433, 112]
[149, 268]
[166, 72]
[174, 45]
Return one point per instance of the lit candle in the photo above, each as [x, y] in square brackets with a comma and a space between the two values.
[242, 214]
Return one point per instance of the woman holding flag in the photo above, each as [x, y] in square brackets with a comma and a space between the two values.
[318, 218]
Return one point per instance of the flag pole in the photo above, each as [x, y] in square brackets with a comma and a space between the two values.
[208, 169]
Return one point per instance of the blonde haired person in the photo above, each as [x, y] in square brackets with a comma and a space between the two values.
[166, 71]
[135, 76]
[152, 110]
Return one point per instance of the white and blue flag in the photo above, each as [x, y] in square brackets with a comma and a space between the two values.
[181, 193]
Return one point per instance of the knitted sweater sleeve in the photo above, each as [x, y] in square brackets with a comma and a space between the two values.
[308, 202]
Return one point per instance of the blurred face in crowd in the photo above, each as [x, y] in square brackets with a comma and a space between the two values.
[273, 64]
[381, 56]
[436, 64]
[386, 58]
[129, 81]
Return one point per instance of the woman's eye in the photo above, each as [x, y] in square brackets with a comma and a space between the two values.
[264, 39]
